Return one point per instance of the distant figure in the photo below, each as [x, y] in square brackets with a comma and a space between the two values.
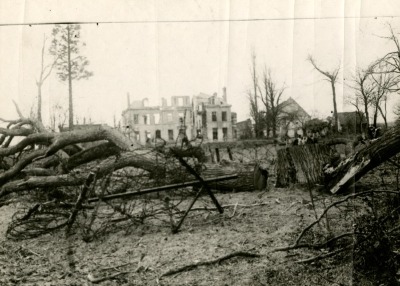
[300, 140]
[295, 141]
[185, 141]
[311, 139]
[260, 178]
[371, 132]
[378, 132]
[374, 133]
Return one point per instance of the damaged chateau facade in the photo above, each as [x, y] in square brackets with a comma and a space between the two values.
[207, 115]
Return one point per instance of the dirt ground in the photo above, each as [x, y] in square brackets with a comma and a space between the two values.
[145, 253]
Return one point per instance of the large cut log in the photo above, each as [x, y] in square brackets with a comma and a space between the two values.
[356, 166]
[302, 164]
[243, 183]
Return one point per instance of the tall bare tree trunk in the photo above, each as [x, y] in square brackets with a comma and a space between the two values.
[255, 85]
[366, 114]
[335, 116]
[273, 119]
[71, 106]
[383, 113]
[375, 115]
[39, 107]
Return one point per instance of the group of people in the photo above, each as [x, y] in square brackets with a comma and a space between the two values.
[372, 133]
[303, 140]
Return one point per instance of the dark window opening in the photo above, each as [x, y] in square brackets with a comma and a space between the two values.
[135, 119]
[225, 133]
[215, 133]
[170, 134]
[223, 115]
[214, 116]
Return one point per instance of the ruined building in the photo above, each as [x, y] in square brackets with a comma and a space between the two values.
[207, 115]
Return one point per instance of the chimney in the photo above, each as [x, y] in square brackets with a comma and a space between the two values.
[129, 99]
[224, 95]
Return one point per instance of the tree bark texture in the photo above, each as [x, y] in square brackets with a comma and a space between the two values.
[244, 182]
[50, 160]
[302, 164]
[70, 106]
[356, 166]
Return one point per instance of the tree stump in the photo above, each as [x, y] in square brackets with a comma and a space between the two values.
[302, 164]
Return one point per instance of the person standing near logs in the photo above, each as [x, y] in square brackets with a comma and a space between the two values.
[260, 177]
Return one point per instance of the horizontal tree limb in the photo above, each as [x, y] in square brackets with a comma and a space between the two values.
[38, 138]
[89, 135]
[128, 159]
[16, 131]
[162, 188]
[314, 246]
[210, 262]
[21, 164]
[39, 172]
[97, 152]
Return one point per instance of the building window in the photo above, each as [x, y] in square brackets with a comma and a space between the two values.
[170, 134]
[148, 136]
[225, 133]
[214, 116]
[158, 134]
[223, 115]
[146, 120]
[215, 133]
[180, 101]
[156, 118]
[169, 117]
[181, 117]
[136, 119]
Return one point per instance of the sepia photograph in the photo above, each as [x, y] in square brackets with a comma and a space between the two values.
[200, 142]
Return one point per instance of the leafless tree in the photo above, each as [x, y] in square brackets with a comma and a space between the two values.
[45, 71]
[271, 97]
[253, 98]
[372, 88]
[330, 76]
[364, 88]
[389, 65]
[71, 65]
[383, 84]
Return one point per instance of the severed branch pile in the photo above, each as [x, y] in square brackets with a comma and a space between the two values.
[374, 153]
[57, 172]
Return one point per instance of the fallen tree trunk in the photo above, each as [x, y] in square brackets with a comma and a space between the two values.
[356, 166]
[244, 182]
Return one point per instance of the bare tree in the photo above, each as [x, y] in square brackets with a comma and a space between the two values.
[45, 71]
[364, 88]
[253, 97]
[332, 78]
[70, 64]
[390, 64]
[386, 83]
[271, 97]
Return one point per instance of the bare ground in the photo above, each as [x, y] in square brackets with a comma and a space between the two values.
[141, 255]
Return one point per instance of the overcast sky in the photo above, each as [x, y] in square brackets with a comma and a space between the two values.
[158, 49]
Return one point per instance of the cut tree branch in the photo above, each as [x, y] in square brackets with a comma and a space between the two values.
[210, 262]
